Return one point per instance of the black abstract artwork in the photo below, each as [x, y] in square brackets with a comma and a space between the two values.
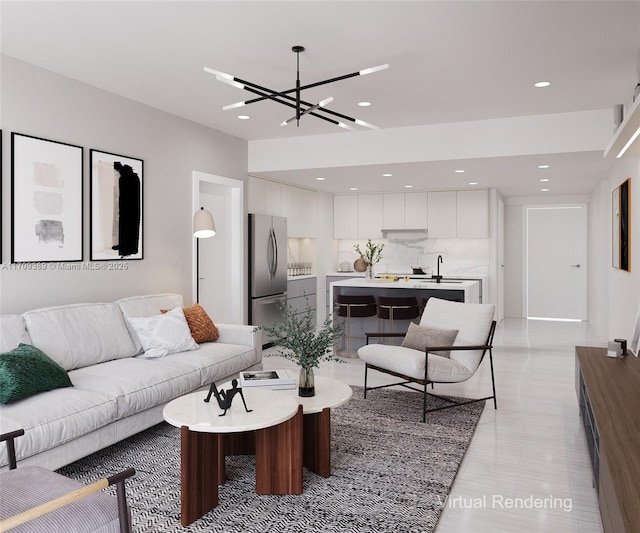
[116, 207]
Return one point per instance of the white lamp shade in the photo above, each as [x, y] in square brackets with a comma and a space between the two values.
[203, 224]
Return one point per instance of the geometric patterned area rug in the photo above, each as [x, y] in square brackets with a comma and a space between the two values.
[389, 472]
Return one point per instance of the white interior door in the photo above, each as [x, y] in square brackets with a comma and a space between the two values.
[556, 262]
[221, 273]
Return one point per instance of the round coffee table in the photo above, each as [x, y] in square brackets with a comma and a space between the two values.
[329, 393]
[274, 427]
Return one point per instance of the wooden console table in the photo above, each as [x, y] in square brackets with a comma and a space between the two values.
[608, 391]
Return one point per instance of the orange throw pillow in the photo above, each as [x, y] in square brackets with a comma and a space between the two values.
[200, 324]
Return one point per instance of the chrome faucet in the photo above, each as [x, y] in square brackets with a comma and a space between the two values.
[438, 277]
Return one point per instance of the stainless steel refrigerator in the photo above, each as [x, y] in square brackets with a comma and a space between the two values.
[267, 268]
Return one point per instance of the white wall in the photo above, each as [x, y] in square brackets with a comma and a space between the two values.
[624, 287]
[599, 262]
[40, 103]
[513, 257]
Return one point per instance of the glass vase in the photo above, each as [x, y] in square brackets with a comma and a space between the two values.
[368, 273]
[306, 386]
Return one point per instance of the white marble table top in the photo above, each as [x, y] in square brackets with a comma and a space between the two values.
[269, 408]
[330, 393]
[409, 284]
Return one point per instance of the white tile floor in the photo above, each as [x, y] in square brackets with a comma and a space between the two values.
[531, 447]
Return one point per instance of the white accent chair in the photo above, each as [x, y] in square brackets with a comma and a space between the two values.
[475, 326]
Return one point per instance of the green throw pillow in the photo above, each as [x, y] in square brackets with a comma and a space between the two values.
[25, 371]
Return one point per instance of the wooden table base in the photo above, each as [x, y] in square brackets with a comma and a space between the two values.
[199, 467]
[278, 451]
[317, 442]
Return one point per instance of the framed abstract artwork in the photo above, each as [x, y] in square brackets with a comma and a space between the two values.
[46, 200]
[116, 207]
[621, 219]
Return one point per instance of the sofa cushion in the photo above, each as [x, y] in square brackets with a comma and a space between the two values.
[420, 338]
[55, 418]
[80, 335]
[12, 332]
[215, 361]
[30, 486]
[25, 371]
[149, 305]
[163, 334]
[200, 324]
[139, 384]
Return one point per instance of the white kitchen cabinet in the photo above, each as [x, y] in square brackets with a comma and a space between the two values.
[415, 210]
[345, 217]
[255, 196]
[393, 211]
[442, 214]
[300, 207]
[264, 197]
[369, 216]
[472, 214]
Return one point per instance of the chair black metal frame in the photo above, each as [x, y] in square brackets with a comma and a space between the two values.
[424, 382]
[118, 480]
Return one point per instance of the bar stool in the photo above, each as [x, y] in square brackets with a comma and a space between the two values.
[397, 308]
[351, 305]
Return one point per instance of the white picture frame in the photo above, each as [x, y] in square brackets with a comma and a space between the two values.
[46, 200]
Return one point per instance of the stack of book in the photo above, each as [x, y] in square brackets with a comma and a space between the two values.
[269, 379]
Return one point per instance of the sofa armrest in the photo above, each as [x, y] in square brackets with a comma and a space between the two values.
[240, 334]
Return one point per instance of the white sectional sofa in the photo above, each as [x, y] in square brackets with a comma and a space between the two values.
[116, 393]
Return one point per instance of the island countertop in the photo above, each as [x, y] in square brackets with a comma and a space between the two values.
[462, 290]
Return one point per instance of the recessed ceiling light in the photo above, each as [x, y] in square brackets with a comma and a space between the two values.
[543, 166]
[473, 183]
[544, 179]
[244, 117]
[387, 175]
[544, 190]
[541, 84]
[320, 179]
[353, 188]
[459, 171]
[408, 186]
[364, 104]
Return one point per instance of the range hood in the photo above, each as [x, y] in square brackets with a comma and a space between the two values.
[385, 232]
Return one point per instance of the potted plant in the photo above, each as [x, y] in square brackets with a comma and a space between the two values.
[300, 341]
[371, 255]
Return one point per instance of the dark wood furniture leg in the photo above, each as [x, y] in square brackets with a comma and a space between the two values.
[200, 465]
[317, 442]
[279, 457]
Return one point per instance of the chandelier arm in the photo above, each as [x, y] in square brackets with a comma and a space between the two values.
[288, 104]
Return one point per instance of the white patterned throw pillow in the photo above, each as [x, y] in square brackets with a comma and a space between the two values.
[163, 334]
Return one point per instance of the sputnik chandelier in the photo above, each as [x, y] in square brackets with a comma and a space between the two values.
[300, 106]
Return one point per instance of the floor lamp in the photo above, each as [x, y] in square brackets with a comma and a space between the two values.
[203, 228]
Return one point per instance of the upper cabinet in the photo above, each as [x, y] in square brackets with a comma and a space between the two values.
[445, 214]
[441, 218]
[299, 206]
[473, 214]
[369, 216]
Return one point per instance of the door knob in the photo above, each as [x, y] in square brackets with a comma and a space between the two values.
[575, 266]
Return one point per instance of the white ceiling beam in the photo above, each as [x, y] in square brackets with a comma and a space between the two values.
[540, 134]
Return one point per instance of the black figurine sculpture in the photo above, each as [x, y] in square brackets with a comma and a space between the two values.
[225, 398]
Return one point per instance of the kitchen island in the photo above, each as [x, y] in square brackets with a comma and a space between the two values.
[456, 290]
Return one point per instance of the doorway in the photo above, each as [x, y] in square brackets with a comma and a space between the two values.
[220, 284]
[556, 262]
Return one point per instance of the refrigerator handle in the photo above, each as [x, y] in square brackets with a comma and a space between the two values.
[270, 254]
[275, 253]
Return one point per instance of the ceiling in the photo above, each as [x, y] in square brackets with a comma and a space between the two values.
[450, 62]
